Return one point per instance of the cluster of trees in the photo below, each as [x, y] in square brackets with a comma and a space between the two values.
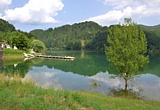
[22, 40]
[89, 36]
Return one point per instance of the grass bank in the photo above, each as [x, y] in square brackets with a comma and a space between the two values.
[18, 94]
[12, 54]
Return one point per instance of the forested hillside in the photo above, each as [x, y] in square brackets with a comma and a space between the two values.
[86, 35]
[16, 38]
[89, 36]
[153, 37]
[5, 26]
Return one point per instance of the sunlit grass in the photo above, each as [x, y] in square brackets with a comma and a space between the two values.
[11, 54]
[17, 93]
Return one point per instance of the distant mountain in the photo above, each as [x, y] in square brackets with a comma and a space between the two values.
[73, 37]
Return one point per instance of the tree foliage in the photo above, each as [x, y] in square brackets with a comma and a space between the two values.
[153, 37]
[38, 46]
[127, 48]
[69, 37]
[5, 26]
[21, 41]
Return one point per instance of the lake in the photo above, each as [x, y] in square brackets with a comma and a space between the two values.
[90, 71]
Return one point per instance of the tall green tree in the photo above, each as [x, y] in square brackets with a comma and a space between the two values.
[21, 41]
[126, 49]
[38, 46]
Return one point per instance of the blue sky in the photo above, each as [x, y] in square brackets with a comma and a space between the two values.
[27, 15]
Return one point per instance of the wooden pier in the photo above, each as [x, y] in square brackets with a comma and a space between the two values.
[55, 57]
[48, 56]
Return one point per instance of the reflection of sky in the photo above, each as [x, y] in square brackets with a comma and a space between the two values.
[43, 77]
[148, 85]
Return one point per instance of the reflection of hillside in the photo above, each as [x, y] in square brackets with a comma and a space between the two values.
[89, 65]
[154, 66]
[12, 62]
[86, 63]
[14, 67]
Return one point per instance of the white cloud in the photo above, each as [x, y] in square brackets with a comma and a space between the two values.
[35, 11]
[4, 4]
[130, 8]
[109, 17]
[108, 79]
[118, 3]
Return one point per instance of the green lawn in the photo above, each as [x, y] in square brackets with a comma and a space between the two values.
[12, 54]
[17, 94]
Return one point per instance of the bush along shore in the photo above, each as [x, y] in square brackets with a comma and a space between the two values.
[16, 93]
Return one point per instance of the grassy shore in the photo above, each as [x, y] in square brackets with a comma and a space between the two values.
[12, 54]
[19, 94]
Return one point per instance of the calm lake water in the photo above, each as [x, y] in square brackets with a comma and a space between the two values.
[90, 71]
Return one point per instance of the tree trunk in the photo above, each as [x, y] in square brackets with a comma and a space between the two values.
[126, 81]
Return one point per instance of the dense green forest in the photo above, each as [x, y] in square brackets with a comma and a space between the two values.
[153, 38]
[73, 37]
[22, 40]
[89, 36]
[79, 36]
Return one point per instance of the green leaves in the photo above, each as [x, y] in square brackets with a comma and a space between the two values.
[127, 48]
[20, 40]
[38, 46]
[70, 37]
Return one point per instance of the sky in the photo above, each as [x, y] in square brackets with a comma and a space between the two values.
[27, 15]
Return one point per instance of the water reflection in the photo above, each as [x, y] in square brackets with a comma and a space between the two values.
[14, 67]
[102, 82]
[88, 72]
[149, 84]
[146, 86]
[44, 78]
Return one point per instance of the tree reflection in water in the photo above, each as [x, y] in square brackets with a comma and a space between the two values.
[130, 93]
[127, 93]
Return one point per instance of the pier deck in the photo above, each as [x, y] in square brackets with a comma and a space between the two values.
[48, 56]
[56, 57]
